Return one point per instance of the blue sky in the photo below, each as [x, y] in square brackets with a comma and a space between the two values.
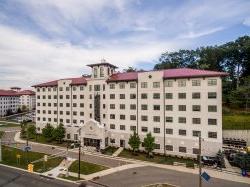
[50, 39]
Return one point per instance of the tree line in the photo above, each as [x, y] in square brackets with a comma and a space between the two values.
[232, 57]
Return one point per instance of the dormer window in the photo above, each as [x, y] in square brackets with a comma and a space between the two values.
[95, 72]
[101, 72]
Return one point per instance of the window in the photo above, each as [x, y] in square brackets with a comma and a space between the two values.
[156, 84]
[97, 87]
[157, 146]
[196, 151]
[169, 131]
[90, 96]
[157, 107]
[144, 107]
[156, 130]
[95, 72]
[81, 113]
[67, 112]
[122, 117]
[169, 147]
[74, 88]
[182, 149]
[81, 105]
[122, 96]
[211, 82]
[132, 85]
[90, 87]
[212, 95]
[122, 106]
[101, 72]
[132, 117]
[182, 95]
[60, 88]
[196, 95]
[169, 107]
[61, 105]
[144, 96]
[196, 133]
[156, 96]
[67, 96]
[144, 118]
[132, 107]
[144, 129]
[182, 120]
[181, 83]
[169, 96]
[112, 126]
[196, 108]
[168, 83]
[122, 127]
[212, 121]
[68, 136]
[212, 108]
[81, 96]
[169, 119]
[81, 88]
[75, 136]
[144, 85]
[182, 132]
[133, 128]
[196, 120]
[112, 116]
[122, 85]
[112, 86]
[196, 82]
[74, 104]
[112, 106]
[132, 96]
[112, 140]
[156, 118]
[74, 113]
[112, 96]
[74, 96]
[212, 134]
[182, 107]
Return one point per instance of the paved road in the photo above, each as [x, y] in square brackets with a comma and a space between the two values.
[137, 177]
[16, 178]
[108, 162]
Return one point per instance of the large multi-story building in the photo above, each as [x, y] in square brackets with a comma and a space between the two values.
[11, 100]
[175, 105]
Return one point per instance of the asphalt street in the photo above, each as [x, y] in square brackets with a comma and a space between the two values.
[15, 178]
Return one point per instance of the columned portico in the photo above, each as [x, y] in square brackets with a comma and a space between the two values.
[94, 134]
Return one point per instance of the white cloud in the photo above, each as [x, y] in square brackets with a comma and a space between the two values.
[247, 21]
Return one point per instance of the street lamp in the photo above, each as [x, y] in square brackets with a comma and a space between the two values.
[79, 152]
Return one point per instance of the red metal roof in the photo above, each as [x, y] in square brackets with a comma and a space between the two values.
[188, 72]
[75, 81]
[129, 76]
[26, 92]
[8, 93]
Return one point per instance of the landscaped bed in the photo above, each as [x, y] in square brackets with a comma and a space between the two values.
[4, 124]
[109, 150]
[71, 178]
[160, 159]
[236, 121]
[86, 168]
[9, 156]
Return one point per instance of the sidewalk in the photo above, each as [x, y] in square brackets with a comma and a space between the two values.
[118, 151]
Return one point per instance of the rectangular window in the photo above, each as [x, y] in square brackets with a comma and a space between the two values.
[182, 95]
[74, 96]
[132, 117]
[112, 86]
[196, 120]
[156, 96]
[212, 108]
[182, 132]
[156, 130]
[182, 119]
[75, 136]
[133, 128]
[182, 107]
[169, 148]
[169, 131]
[122, 106]
[169, 95]
[156, 118]
[196, 151]
[112, 96]
[196, 82]
[196, 108]
[182, 149]
[122, 117]
[132, 107]
[157, 107]
[196, 95]
[157, 146]
[132, 85]
[144, 96]
[144, 129]
[122, 127]
[112, 126]
[196, 133]
[169, 107]
[132, 96]
[169, 119]
[212, 134]
[168, 83]
[144, 107]
[156, 84]
[144, 118]
[97, 87]
[122, 96]
[112, 106]
[144, 85]
[212, 121]
[122, 85]
[211, 82]
[181, 83]
[112, 116]
[212, 95]
[81, 105]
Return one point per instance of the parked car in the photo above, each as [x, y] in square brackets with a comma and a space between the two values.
[208, 160]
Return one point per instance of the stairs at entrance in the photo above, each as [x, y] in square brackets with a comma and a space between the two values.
[118, 151]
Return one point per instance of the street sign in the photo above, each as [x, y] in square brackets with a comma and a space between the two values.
[27, 148]
[205, 176]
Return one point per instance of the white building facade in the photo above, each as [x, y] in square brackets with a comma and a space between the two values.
[175, 105]
[9, 101]
[28, 99]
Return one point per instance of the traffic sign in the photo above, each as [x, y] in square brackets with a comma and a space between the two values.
[205, 176]
[27, 148]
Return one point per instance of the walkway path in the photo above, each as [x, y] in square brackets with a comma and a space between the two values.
[118, 151]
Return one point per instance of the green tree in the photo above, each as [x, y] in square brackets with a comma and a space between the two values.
[149, 143]
[31, 130]
[47, 132]
[130, 69]
[134, 141]
[59, 133]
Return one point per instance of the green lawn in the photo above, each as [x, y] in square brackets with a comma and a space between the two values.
[157, 158]
[71, 178]
[86, 168]
[4, 124]
[9, 158]
[109, 150]
[236, 121]
[1, 133]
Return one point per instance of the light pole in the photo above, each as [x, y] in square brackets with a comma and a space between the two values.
[200, 179]
[79, 152]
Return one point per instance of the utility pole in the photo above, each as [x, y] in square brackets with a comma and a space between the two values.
[79, 155]
[0, 150]
[200, 179]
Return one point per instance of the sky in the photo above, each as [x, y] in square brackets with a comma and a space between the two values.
[52, 39]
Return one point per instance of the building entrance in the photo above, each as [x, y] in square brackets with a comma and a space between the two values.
[92, 142]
